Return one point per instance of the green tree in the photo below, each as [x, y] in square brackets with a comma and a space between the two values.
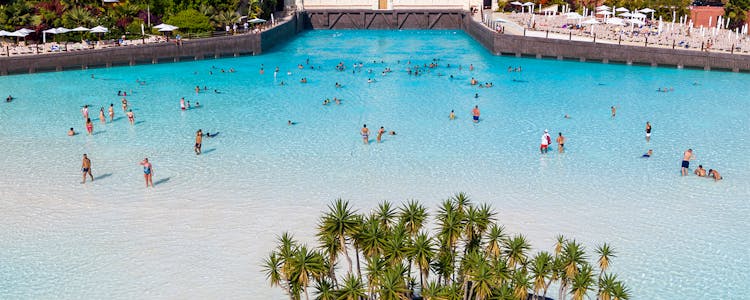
[340, 221]
[422, 250]
[352, 288]
[226, 18]
[190, 21]
[541, 270]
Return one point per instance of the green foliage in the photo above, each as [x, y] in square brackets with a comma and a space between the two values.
[134, 27]
[471, 255]
[190, 21]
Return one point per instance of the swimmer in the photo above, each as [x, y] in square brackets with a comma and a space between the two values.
[566, 116]
[648, 131]
[614, 111]
[216, 91]
[392, 132]
[475, 113]
[282, 83]
[471, 67]
[289, 123]
[71, 132]
[365, 134]
[131, 117]
[148, 172]
[546, 140]
[188, 105]
[261, 71]
[686, 157]
[197, 89]
[85, 112]
[452, 116]
[473, 81]
[303, 80]
[111, 112]
[326, 101]
[102, 118]
[9, 99]
[560, 143]
[197, 104]
[337, 100]
[86, 168]
[338, 85]
[476, 95]
[380, 133]
[89, 126]
[182, 103]
[715, 175]
[700, 171]
[124, 104]
[648, 154]
[198, 141]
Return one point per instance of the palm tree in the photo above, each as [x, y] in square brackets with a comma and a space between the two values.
[620, 291]
[501, 271]
[340, 221]
[574, 256]
[559, 245]
[431, 291]
[443, 264]
[482, 280]
[605, 253]
[396, 245]
[392, 284]
[582, 282]
[541, 269]
[606, 286]
[412, 214]
[450, 227]
[386, 214]
[306, 265]
[272, 268]
[371, 237]
[461, 200]
[521, 284]
[376, 266]
[352, 288]
[324, 290]
[494, 237]
[422, 250]
[515, 250]
[77, 16]
[330, 246]
[226, 18]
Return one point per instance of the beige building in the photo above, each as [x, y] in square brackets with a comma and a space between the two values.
[389, 4]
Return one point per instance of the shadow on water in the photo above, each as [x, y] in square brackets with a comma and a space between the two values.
[139, 122]
[160, 181]
[100, 177]
[98, 132]
[208, 151]
[117, 119]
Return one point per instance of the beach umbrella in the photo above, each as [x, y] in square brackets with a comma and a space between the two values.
[646, 10]
[99, 29]
[168, 28]
[622, 9]
[54, 31]
[604, 12]
[590, 22]
[256, 21]
[528, 4]
[615, 21]
[516, 3]
[625, 14]
[80, 28]
[603, 7]
[162, 25]
[4, 33]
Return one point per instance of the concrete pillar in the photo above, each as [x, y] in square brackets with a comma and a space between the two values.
[629, 62]
[582, 59]
[176, 59]
[154, 60]
[236, 54]
[707, 68]
[538, 56]
[131, 61]
[605, 61]
[217, 55]
[57, 68]
[680, 66]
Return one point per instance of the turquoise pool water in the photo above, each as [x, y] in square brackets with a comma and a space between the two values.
[203, 230]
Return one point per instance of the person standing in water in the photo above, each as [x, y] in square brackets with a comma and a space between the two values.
[86, 168]
[111, 112]
[648, 131]
[182, 103]
[148, 172]
[365, 134]
[686, 157]
[614, 111]
[452, 116]
[381, 131]
[546, 139]
[475, 113]
[131, 117]
[198, 141]
[560, 143]
[85, 112]
[102, 118]
[89, 126]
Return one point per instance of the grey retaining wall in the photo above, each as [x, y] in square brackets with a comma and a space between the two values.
[251, 44]
[225, 46]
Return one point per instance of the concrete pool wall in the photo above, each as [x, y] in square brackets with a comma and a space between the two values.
[252, 44]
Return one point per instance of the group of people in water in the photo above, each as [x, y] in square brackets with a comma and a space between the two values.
[687, 156]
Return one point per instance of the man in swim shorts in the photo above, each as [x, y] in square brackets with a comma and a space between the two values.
[365, 134]
[475, 113]
[686, 157]
[648, 154]
[86, 168]
[381, 131]
[546, 139]
[198, 141]
[148, 172]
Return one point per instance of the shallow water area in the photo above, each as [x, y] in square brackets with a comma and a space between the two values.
[204, 229]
